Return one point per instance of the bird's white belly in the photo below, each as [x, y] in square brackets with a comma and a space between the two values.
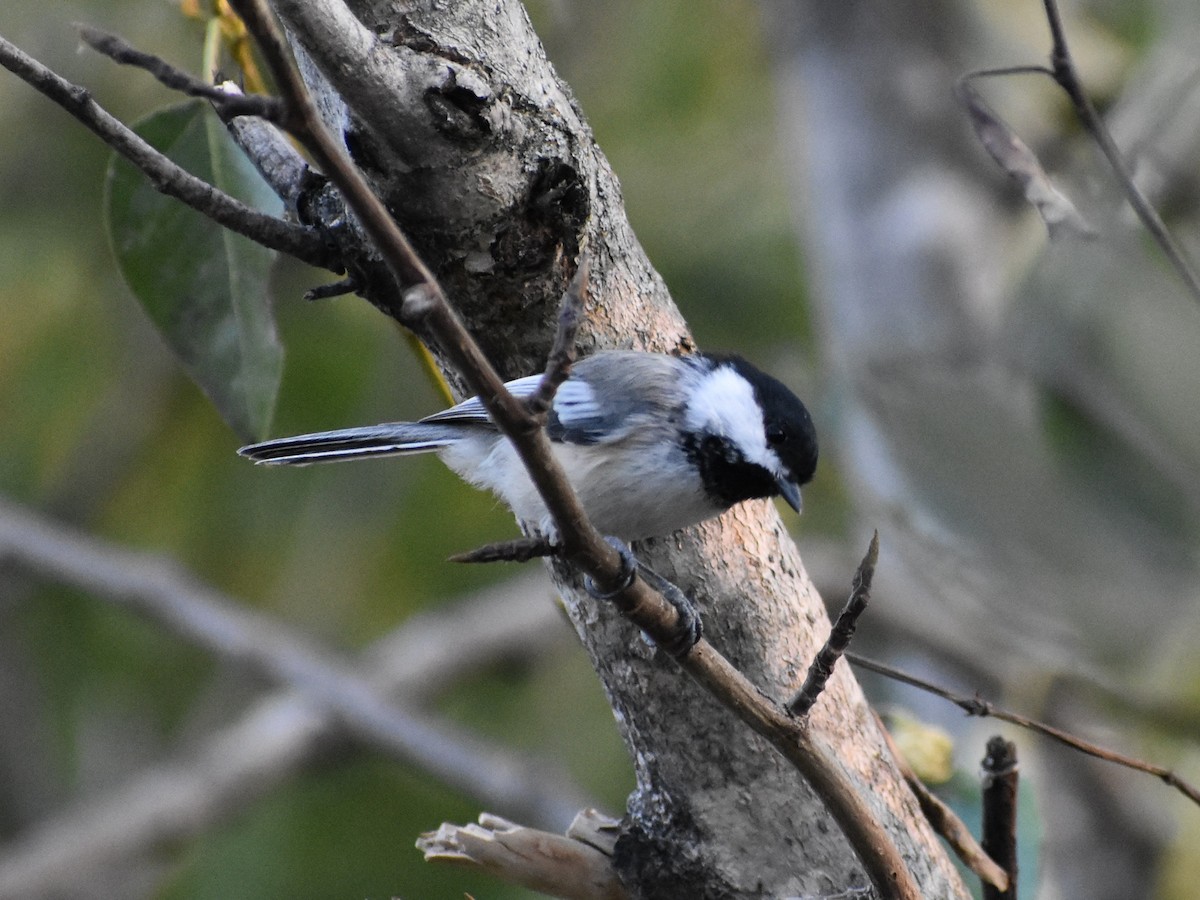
[654, 501]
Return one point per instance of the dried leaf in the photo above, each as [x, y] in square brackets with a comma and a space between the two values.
[1014, 156]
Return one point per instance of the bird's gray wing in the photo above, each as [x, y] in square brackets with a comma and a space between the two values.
[606, 397]
[578, 417]
[614, 394]
[472, 411]
[575, 418]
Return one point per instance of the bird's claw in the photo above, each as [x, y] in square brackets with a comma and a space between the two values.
[629, 569]
[688, 627]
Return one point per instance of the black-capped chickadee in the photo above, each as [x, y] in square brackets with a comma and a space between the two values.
[650, 442]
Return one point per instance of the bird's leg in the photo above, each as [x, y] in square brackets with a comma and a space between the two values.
[688, 626]
[629, 569]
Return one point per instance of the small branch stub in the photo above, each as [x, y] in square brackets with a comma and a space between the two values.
[517, 550]
[1000, 813]
[572, 866]
[562, 354]
[839, 636]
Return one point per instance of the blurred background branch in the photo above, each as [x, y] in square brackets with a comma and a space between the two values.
[108, 839]
[157, 590]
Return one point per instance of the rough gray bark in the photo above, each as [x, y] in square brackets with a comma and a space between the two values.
[483, 155]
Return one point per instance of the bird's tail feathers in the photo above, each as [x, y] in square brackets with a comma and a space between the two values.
[394, 439]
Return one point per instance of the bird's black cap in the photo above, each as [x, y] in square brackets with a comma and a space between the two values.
[789, 427]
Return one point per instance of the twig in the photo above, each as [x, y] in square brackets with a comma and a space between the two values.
[278, 738]
[1062, 70]
[168, 178]
[581, 544]
[519, 550]
[229, 104]
[330, 290]
[945, 822]
[562, 354]
[159, 591]
[840, 634]
[977, 706]
[1000, 814]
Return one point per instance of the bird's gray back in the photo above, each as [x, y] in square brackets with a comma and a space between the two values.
[613, 393]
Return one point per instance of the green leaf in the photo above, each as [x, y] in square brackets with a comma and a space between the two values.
[204, 287]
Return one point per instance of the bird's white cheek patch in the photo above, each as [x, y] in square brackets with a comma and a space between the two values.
[724, 403]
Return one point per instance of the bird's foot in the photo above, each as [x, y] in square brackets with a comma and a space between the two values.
[688, 627]
[629, 570]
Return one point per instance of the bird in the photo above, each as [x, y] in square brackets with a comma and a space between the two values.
[650, 442]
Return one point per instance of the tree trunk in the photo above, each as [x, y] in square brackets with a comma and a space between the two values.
[484, 157]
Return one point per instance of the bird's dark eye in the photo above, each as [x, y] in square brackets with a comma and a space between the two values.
[776, 435]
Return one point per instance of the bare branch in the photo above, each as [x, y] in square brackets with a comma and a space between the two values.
[562, 354]
[518, 550]
[276, 740]
[332, 289]
[839, 636]
[160, 592]
[1063, 67]
[1016, 159]
[977, 706]
[228, 104]
[168, 178]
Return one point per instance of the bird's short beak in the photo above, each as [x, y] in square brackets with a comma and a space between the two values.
[791, 493]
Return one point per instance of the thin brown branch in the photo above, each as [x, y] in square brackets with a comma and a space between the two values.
[1000, 814]
[562, 354]
[1065, 74]
[166, 177]
[977, 706]
[840, 634]
[581, 544]
[159, 591]
[228, 104]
